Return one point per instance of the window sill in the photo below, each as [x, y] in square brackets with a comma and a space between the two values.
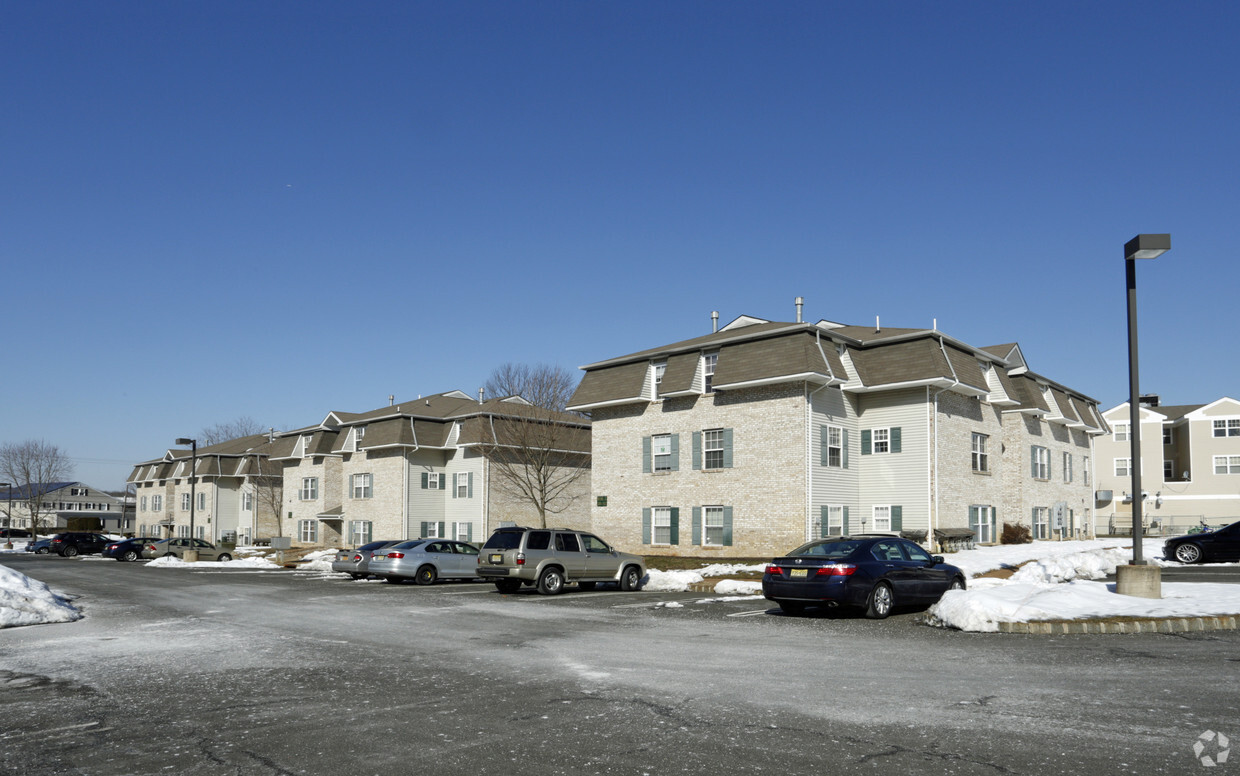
[985, 473]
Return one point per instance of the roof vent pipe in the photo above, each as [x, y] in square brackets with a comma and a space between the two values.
[800, 303]
[271, 434]
[391, 399]
[714, 321]
[481, 394]
[877, 326]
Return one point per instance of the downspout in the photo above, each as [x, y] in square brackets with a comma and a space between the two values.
[934, 420]
[809, 437]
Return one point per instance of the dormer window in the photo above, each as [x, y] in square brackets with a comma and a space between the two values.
[709, 362]
[659, 369]
[359, 434]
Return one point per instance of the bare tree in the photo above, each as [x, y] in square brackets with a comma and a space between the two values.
[222, 432]
[31, 465]
[538, 452]
[268, 479]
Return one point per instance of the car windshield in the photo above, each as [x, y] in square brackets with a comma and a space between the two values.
[409, 545]
[827, 549]
[503, 540]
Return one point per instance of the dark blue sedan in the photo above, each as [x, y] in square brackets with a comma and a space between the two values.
[127, 550]
[873, 573]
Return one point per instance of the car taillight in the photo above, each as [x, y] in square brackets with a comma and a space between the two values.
[111, 546]
[836, 570]
[772, 569]
[520, 558]
[394, 555]
[149, 547]
[357, 558]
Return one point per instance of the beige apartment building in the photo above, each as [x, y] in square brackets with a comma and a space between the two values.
[1190, 466]
[759, 436]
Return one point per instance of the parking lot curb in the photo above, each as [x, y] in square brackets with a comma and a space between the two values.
[1126, 625]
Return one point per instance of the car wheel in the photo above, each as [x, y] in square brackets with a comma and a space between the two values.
[881, 602]
[426, 575]
[551, 582]
[957, 584]
[791, 607]
[130, 556]
[1188, 553]
[507, 585]
[223, 556]
[69, 552]
[631, 579]
[586, 585]
[42, 551]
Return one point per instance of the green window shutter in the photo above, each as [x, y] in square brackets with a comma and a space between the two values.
[822, 446]
[974, 520]
[727, 448]
[822, 531]
[897, 518]
[895, 439]
[846, 521]
[425, 479]
[865, 442]
[675, 526]
[727, 526]
[697, 525]
[697, 451]
[645, 525]
[645, 455]
[425, 525]
[469, 532]
[469, 477]
[675, 452]
[443, 530]
[443, 480]
[454, 476]
[1033, 461]
[844, 442]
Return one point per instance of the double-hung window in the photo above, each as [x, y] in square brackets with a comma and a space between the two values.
[1123, 467]
[184, 502]
[247, 501]
[360, 532]
[308, 531]
[1067, 467]
[1120, 431]
[359, 434]
[659, 370]
[982, 521]
[143, 503]
[202, 502]
[981, 459]
[1227, 428]
[1041, 462]
[661, 449]
[661, 523]
[1227, 464]
[709, 362]
[1041, 523]
[310, 489]
[835, 521]
[712, 448]
[460, 484]
[835, 446]
[157, 503]
[882, 440]
[712, 526]
[882, 518]
[1085, 470]
[362, 485]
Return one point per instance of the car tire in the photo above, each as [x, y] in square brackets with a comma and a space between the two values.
[426, 575]
[586, 585]
[507, 586]
[42, 551]
[551, 582]
[881, 602]
[957, 584]
[69, 551]
[129, 556]
[631, 579]
[223, 557]
[791, 607]
[1188, 553]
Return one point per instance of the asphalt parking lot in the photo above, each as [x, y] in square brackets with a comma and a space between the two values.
[222, 671]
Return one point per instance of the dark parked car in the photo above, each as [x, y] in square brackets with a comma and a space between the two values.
[73, 543]
[874, 573]
[128, 549]
[14, 533]
[41, 547]
[1222, 545]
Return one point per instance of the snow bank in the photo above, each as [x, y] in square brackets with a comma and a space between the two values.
[738, 587]
[319, 560]
[173, 562]
[26, 601]
[679, 581]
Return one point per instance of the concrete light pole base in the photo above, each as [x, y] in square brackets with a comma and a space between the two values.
[191, 556]
[1140, 581]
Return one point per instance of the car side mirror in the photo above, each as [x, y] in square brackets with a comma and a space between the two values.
[936, 559]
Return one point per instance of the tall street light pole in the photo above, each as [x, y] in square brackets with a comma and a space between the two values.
[1148, 581]
[193, 479]
[8, 518]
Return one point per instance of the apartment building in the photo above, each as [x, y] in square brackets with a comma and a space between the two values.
[1190, 465]
[761, 435]
[60, 506]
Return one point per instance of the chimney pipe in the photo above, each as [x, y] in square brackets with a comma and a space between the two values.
[714, 321]
[800, 303]
[391, 399]
[481, 394]
[877, 327]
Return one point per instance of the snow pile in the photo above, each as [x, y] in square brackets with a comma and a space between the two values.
[679, 581]
[984, 607]
[983, 559]
[173, 562]
[26, 601]
[319, 560]
[1095, 564]
[738, 587]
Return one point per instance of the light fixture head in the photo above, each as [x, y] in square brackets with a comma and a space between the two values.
[1147, 246]
[184, 441]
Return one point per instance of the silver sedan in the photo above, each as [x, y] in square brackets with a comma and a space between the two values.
[425, 561]
[356, 562]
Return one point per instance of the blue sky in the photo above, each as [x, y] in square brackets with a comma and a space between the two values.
[213, 209]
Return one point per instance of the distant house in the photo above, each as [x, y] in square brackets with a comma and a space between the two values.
[757, 437]
[1190, 465]
[63, 506]
[420, 468]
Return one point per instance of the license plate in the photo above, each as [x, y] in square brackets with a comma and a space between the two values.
[497, 558]
[797, 573]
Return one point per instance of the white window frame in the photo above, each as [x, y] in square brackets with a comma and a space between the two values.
[432, 480]
[157, 503]
[880, 436]
[308, 531]
[360, 532]
[835, 447]
[835, 520]
[247, 501]
[1121, 431]
[1167, 435]
[1041, 523]
[710, 361]
[661, 453]
[986, 524]
[1227, 427]
[712, 447]
[1123, 467]
[460, 486]
[661, 526]
[1227, 464]
[1085, 470]
[881, 518]
[660, 369]
[305, 445]
[1168, 469]
[142, 501]
[183, 531]
[460, 531]
[185, 502]
[981, 459]
[712, 526]
[361, 486]
[359, 434]
[202, 501]
[310, 489]
[1067, 466]
[1042, 459]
